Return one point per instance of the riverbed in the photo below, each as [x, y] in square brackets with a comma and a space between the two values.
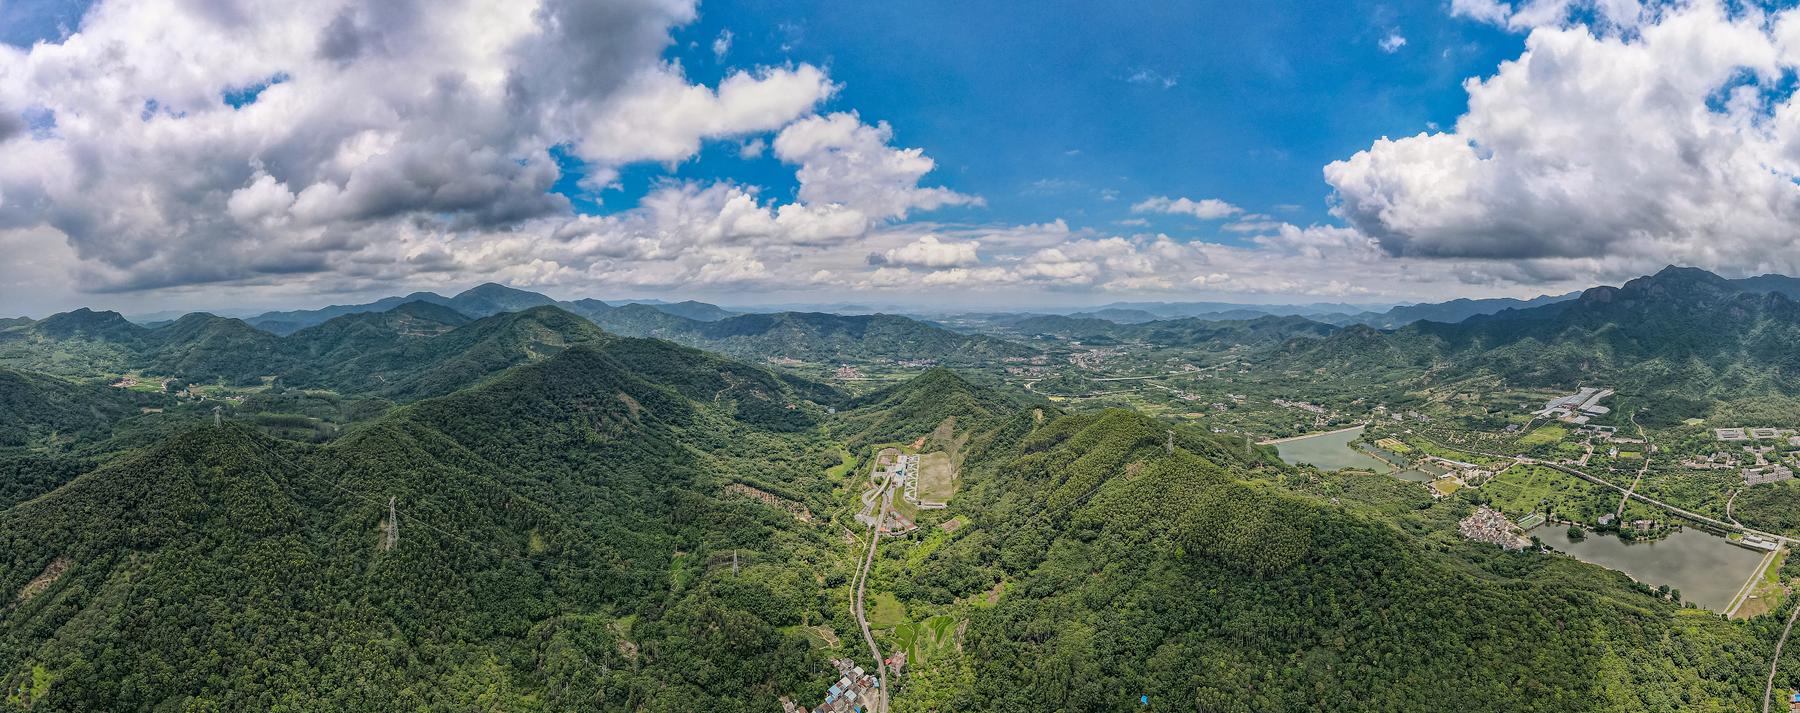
[1330, 451]
[1707, 568]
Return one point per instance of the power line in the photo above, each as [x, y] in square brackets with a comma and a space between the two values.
[416, 519]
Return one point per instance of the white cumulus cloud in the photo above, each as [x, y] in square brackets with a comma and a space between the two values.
[931, 252]
[1204, 209]
[1676, 143]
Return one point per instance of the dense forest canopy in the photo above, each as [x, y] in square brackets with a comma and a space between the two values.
[525, 510]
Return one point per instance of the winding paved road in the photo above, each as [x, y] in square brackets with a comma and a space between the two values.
[856, 599]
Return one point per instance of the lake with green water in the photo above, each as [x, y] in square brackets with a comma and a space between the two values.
[1707, 568]
[1330, 451]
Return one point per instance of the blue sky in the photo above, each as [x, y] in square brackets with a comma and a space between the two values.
[930, 153]
[1043, 108]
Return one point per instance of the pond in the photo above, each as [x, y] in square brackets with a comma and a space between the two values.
[1329, 451]
[1707, 568]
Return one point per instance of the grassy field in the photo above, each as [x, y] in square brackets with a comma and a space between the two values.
[29, 690]
[844, 466]
[1395, 445]
[887, 612]
[937, 478]
[1768, 592]
[1521, 489]
[821, 637]
[1543, 435]
[1430, 448]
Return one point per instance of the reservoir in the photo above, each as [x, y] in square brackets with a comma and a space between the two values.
[1329, 451]
[1705, 567]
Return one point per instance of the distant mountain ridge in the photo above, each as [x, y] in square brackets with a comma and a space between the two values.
[1337, 314]
[414, 350]
[480, 301]
[1680, 330]
[1260, 330]
[1452, 311]
[424, 347]
[810, 336]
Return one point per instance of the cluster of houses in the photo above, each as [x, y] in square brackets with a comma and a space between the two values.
[845, 372]
[854, 692]
[1381, 410]
[1634, 525]
[1094, 358]
[1301, 405]
[1758, 467]
[1771, 473]
[1488, 525]
[1576, 408]
[1718, 460]
[1761, 433]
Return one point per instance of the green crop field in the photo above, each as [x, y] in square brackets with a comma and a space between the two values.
[1522, 489]
[1543, 435]
[924, 641]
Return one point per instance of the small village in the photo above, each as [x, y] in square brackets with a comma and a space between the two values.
[1490, 526]
[854, 692]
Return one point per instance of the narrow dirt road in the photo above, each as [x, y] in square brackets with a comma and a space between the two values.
[1775, 661]
[1620, 513]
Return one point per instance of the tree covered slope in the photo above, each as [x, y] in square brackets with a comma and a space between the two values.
[594, 522]
[1130, 569]
[559, 542]
[1682, 331]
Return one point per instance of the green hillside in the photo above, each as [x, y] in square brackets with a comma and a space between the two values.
[558, 550]
[1132, 570]
[595, 522]
[1680, 333]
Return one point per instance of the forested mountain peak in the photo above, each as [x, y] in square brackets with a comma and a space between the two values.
[411, 318]
[693, 309]
[918, 405]
[89, 324]
[196, 324]
[551, 521]
[490, 298]
[1677, 284]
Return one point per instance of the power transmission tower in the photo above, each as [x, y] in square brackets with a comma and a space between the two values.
[1171, 444]
[392, 536]
[217, 418]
